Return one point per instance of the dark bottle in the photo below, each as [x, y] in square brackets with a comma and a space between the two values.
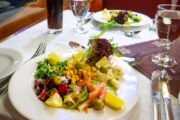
[55, 14]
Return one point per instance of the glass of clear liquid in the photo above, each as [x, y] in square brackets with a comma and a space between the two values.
[168, 28]
[80, 9]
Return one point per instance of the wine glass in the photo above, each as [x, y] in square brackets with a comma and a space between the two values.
[80, 9]
[168, 27]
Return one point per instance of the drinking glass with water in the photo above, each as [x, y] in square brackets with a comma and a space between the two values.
[80, 9]
[168, 28]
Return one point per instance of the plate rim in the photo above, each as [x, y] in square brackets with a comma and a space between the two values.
[119, 25]
[16, 55]
[133, 104]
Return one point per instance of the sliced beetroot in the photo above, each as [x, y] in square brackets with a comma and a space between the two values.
[63, 89]
[49, 84]
[39, 86]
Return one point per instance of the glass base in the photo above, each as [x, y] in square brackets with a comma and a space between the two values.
[79, 31]
[165, 61]
[54, 31]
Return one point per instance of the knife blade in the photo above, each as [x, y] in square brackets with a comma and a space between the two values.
[156, 94]
[88, 18]
[166, 95]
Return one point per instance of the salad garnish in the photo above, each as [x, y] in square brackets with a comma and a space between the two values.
[121, 17]
[88, 79]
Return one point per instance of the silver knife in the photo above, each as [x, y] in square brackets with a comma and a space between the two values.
[156, 94]
[88, 18]
[166, 95]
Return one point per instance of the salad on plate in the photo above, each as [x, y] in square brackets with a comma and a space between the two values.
[88, 79]
[122, 17]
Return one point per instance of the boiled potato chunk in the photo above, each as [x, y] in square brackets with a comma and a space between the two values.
[54, 101]
[114, 101]
[103, 62]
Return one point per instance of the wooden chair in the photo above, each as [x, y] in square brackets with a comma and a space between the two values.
[28, 15]
[32, 13]
[96, 5]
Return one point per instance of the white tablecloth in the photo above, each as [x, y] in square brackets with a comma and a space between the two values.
[27, 41]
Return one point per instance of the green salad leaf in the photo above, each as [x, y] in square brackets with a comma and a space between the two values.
[46, 70]
[81, 98]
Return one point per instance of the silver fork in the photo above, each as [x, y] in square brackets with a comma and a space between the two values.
[40, 50]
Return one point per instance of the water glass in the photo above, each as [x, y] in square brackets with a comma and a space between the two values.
[80, 9]
[168, 28]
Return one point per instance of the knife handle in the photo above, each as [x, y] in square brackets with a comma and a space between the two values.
[157, 111]
[168, 109]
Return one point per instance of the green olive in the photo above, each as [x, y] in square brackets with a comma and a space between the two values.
[98, 104]
[114, 83]
[104, 69]
[57, 80]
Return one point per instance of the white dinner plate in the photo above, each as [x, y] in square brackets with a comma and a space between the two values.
[144, 23]
[4, 4]
[25, 101]
[9, 62]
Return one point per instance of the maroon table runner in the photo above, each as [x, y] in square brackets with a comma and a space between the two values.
[143, 52]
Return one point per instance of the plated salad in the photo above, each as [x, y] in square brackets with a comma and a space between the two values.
[121, 16]
[88, 79]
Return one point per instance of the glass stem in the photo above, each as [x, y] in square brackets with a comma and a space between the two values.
[166, 47]
[79, 24]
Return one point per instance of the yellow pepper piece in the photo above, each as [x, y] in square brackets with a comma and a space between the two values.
[105, 11]
[114, 101]
[106, 15]
[53, 59]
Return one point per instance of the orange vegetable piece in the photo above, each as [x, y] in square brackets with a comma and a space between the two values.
[85, 81]
[91, 87]
[97, 93]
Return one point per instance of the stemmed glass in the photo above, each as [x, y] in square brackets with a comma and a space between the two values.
[80, 9]
[168, 27]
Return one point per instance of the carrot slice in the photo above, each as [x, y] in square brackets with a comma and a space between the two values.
[91, 87]
[97, 92]
[84, 82]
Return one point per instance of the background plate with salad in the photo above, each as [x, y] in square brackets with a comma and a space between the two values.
[135, 21]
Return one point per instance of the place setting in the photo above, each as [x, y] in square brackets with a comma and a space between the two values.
[126, 20]
[130, 23]
[10, 61]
